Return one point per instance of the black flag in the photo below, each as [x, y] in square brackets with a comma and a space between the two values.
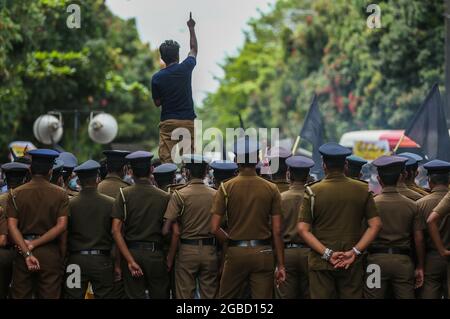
[312, 131]
[429, 127]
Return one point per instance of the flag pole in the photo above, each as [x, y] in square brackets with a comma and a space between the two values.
[398, 144]
[294, 148]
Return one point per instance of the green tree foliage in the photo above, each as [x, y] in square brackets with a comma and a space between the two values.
[44, 65]
[365, 78]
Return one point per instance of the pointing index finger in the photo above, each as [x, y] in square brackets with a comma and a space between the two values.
[190, 15]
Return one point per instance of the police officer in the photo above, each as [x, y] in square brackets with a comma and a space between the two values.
[392, 248]
[15, 174]
[164, 175]
[330, 223]
[190, 208]
[354, 166]
[435, 281]
[116, 167]
[439, 219]
[57, 177]
[89, 235]
[223, 170]
[253, 210]
[37, 216]
[139, 211]
[279, 155]
[406, 177]
[296, 252]
[412, 172]
[69, 163]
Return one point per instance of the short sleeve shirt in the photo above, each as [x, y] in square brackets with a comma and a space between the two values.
[173, 87]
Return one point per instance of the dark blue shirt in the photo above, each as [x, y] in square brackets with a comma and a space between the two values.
[172, 86]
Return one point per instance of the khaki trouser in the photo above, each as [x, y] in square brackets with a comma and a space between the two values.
[337, 284]
[43, 284]
[254, 266]
[98, 270]
[296, 285]
[397, 272]
[435, 281]
[166, 144]
[196, 263]
[6, 263]
[155, 279]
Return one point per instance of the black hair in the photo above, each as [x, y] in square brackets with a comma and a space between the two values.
[197, 170]
[390, 179]
[115, 166]
[439, 179]
[38, 168]
[282, 169]
[334, 163]
[164, 179]
[141, 171]
[170, 51]
[354, 171]
[298, 174]
[14, 180]
[87, 179]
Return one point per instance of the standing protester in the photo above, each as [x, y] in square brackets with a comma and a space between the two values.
[296, 252]
[69, 163]
[137, 230]
[223, 170]
[330, 223]
[392, 248]
[89, 235]
[354, 167]
[172, 90]
[252, 208]
[15, 174]
[37, 216]
[280, 154]
[435, 280]
[412, 172]
[189, 213]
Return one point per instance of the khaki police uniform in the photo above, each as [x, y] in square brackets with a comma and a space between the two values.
[37, 205]
[407, 192]
[197, 258]
[413, 186]
[248, 202]
[6, 254]
[90, 242]
[282, 185]
[296, 252]
[435, 281]
[335, 208]
[111, 185]
[141, 207]
[443, 209]
[391, 250]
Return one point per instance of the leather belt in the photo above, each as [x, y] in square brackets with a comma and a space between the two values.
[294, 245]
[197, 242]
[96, 252]
[144, 245]
[249, 243]
[390, 250]
[30, 236]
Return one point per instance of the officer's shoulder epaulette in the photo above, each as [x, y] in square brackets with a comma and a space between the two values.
[175, 187]
[313, 183]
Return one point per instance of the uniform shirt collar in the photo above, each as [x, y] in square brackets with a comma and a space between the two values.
[39, 179]
[142, 181]
[89, 190]
[335, 175]
[247, 173]
[196, 181]
[389, 189]
[296, 186]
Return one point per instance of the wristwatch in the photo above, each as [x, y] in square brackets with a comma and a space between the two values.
[27, 254]
[356, 251]
[327, 254]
